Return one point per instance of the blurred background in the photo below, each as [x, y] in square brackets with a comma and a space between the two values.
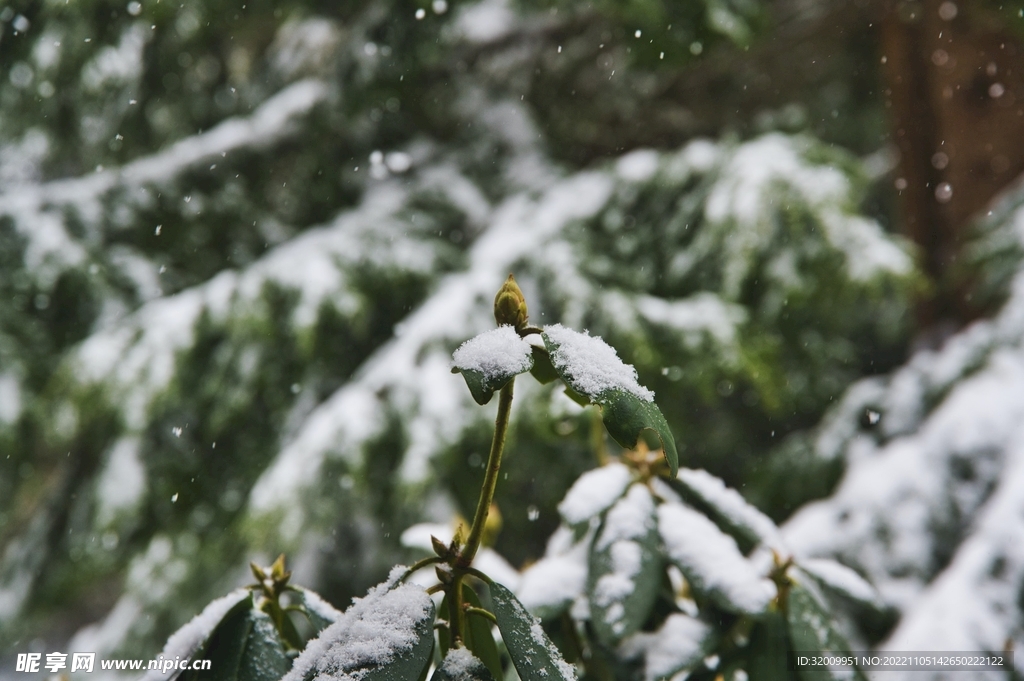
[239, 240]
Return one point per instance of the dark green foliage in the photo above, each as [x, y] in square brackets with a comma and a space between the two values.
[812, 630]
[633, 608]
[532, 652]
[245, 646]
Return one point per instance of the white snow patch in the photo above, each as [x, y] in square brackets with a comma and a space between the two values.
[731, 505]
[711, 560]
[629, 519]
[594, 491]
[590, 365]
[971, 604]
[319, 606]
[695, 318]
[560, 577]
[678, 644]
[122, 484]
[461, 665]
[117, 66]
[373, 631]
[638, 166]
[497, 353]
[841, 579]
[10, 397]
[553, 582]
[485, 21]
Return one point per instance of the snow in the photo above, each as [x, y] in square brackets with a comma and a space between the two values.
[638, 165]
[970, 605]
[319, 606]
[412, 367]
[929, 507]
[495, 354]
[553, 582]
[122, 483]
[374, 631]
[590, 366]
[594, 492]
[560, 576]
[695, 318]
[186, 641]
[629, 519]
[117, 66]
[486, 21]
[540, 638]
[678, 644]
[39, 210]
[461, 665]
[768, 170]
[840, 578]
[711, 561]
[881, 519]
[731, 505]
[10, 397]
[627, 524]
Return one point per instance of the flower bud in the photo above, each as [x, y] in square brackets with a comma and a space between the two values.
[510, 305]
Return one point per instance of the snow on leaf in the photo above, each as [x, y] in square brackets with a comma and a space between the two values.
[488, 361]
[412, 366]
[968, 605]
[841, 579]
[590, 366]
[711, 561]
[461, 665]
[812, 629]
[680, 643]
[389, 628]
[187, 640]
[594, 492]
[321, 613]
[534, 655]
[742, 520]
[550, 585]
[624, 574]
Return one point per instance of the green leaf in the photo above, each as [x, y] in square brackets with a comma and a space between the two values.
[711, 561]
[768, 649]
[477, 637]
[426, 665]
[388, 635]
[245, 646]
[812, 630]
[461, 665]
[592, 371]
[490, 360]
[482, 387]
[837, 579]
[533, 654]
[264, 658]
[542, 369]
[625, 567]
[319, 612]
[727, 508]
[626, 415]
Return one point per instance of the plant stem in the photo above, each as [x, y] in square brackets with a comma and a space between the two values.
[456, 617]
[490, 477]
